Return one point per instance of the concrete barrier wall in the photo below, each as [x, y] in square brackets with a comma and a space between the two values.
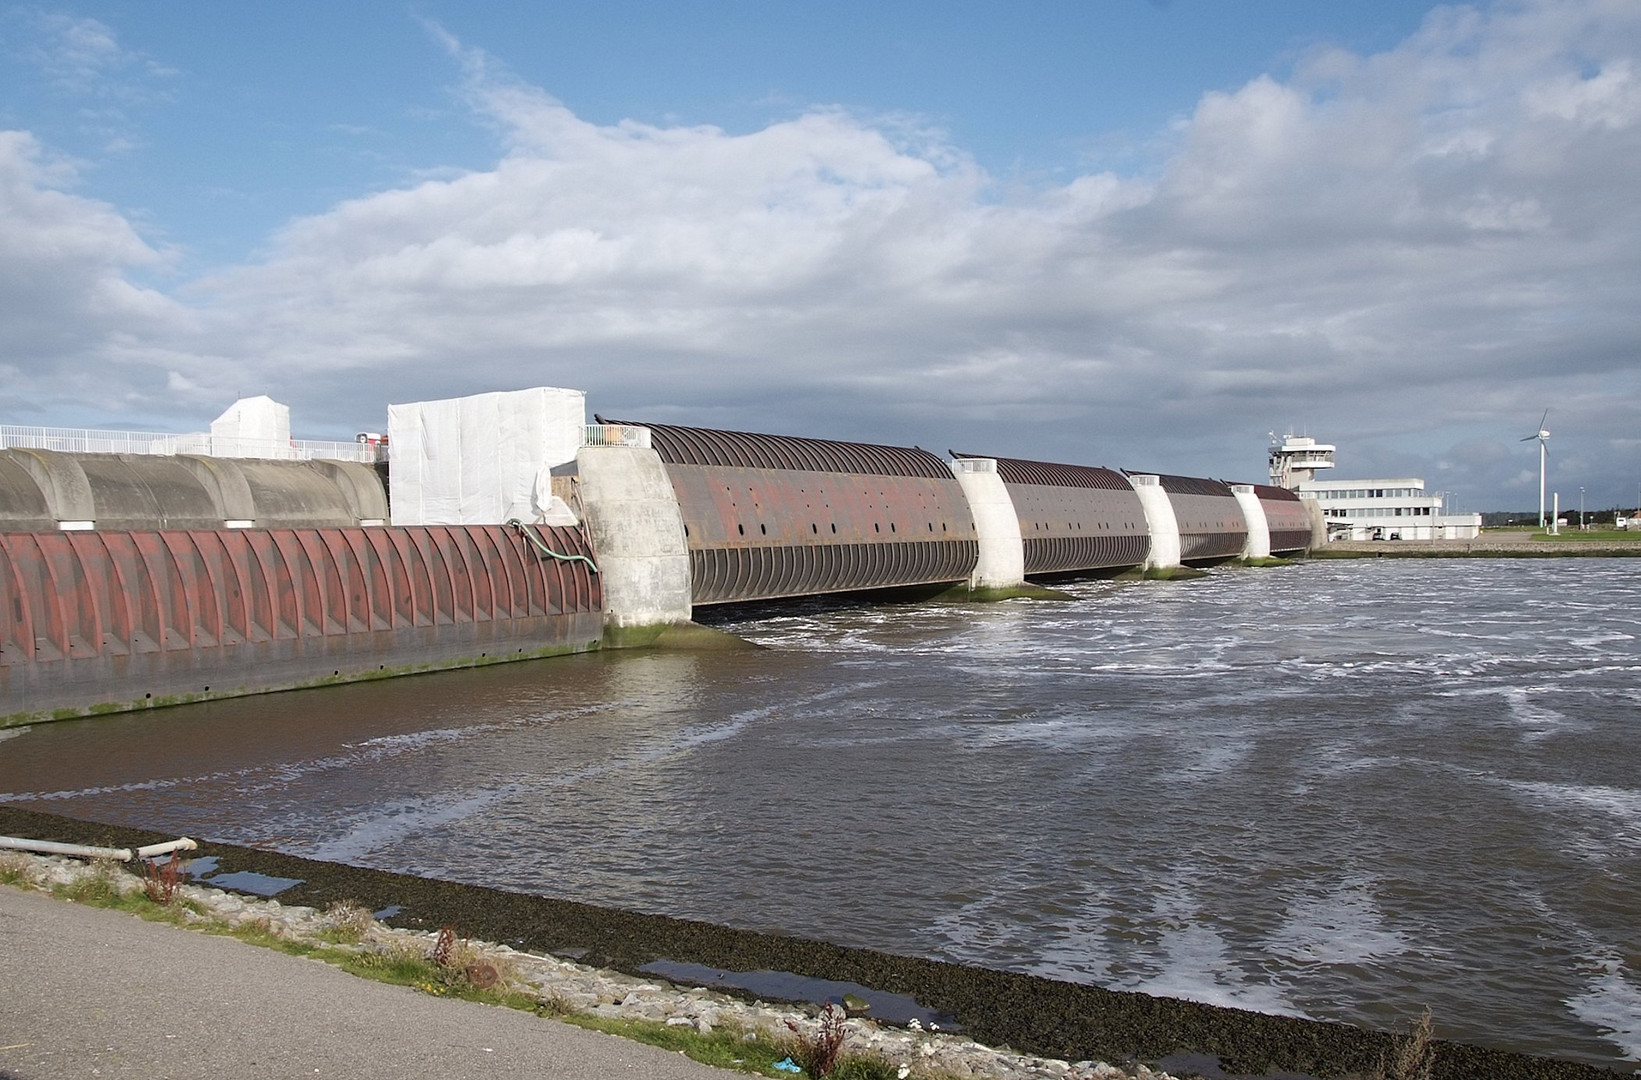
[106, 621]
[47, 489]
[23, 506]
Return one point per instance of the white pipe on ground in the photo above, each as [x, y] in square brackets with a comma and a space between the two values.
[85, 851]
[182, 843]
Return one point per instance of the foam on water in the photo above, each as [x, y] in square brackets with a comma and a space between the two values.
[1331, 789]
[1611, 1003]
[1342, 926]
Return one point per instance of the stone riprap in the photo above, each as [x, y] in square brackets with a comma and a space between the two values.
[565, 986]
[1042, 1019]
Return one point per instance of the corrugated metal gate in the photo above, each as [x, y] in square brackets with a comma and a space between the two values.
[104, 620]
[1074, 517]
[1286, 518]
[1211, 526]
[771, 515]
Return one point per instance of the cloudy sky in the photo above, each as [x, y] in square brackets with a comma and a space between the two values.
[1118, 232]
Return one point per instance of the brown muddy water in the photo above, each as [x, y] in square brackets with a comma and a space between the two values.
[1340, 790]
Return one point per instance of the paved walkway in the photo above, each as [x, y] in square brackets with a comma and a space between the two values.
[89, 992]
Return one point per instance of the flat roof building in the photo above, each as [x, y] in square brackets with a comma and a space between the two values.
[1394, 508]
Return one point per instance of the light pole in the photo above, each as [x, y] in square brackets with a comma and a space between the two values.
[1582, 527]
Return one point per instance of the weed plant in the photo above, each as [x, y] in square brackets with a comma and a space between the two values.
[408, 963]
[1412, 1056]
[819, 1053]
[160, 880]
[348, 922]
[17, 868]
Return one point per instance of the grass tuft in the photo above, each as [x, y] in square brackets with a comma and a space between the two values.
[1412, 1056]
[17, 868]
[347, 922]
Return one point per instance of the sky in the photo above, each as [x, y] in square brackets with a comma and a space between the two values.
[1111, 232]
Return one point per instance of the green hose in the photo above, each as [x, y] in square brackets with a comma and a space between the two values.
[542, 547]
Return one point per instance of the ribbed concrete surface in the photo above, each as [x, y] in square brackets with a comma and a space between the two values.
[89, 992]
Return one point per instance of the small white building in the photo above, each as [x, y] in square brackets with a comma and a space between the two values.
[1395, 508]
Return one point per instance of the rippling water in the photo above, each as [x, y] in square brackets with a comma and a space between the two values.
[1343, 790]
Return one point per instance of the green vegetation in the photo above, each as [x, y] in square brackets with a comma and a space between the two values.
[1173, 573]
[1575, 536]
[453, 969]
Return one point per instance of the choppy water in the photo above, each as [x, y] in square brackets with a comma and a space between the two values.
[1339, 790]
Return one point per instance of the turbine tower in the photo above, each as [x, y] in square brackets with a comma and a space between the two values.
[1543, 438]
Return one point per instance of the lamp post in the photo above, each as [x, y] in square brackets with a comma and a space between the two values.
[1582, 526]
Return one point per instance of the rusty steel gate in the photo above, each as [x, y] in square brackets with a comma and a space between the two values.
[1074, 518]
[99, 621]
[1285, 516]
[1211, 526]
[772, 515]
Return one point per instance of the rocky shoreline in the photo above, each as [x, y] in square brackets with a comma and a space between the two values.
[1049, 1027]
[565, 986]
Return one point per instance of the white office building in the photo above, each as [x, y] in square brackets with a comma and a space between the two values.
[1396, 508]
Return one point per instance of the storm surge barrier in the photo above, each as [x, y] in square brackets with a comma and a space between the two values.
[104, 621]
[769, 516]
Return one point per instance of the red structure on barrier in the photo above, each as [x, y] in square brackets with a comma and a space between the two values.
[102, 621]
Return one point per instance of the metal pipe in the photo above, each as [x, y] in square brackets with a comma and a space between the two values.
[85, 851]
[182, 843]
[47, 847]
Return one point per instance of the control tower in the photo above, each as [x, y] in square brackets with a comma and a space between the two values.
[1296, 459]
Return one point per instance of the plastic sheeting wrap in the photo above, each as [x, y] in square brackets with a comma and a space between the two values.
[478, 460]
[257, 427]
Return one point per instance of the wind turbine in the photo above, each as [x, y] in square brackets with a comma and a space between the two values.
[1543, 438]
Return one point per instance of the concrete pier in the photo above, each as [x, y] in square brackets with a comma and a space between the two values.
[1002, 563]
[1160, 520]
[633, 520]
[1258, 544]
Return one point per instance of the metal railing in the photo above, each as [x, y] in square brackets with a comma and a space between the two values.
[974, 465]
[615, 435]
[99, 441]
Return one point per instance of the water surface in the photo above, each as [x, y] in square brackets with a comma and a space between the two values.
[1342, 790]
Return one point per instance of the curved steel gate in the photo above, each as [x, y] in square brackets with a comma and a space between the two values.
[1285, 515]
[100, 621]
[1074, 517]
[771, 515]
[1211, 525]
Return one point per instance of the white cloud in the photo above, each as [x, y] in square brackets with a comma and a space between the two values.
[72, 317]
[1404, 252]
[83, 57]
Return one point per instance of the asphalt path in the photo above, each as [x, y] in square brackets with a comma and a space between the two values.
[88, 992]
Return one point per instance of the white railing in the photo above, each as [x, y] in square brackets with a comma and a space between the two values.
[974, 465]
[99, 441]
[615, 435]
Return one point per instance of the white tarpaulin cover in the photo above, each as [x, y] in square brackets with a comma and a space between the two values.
[253, 427]
[475, 460]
